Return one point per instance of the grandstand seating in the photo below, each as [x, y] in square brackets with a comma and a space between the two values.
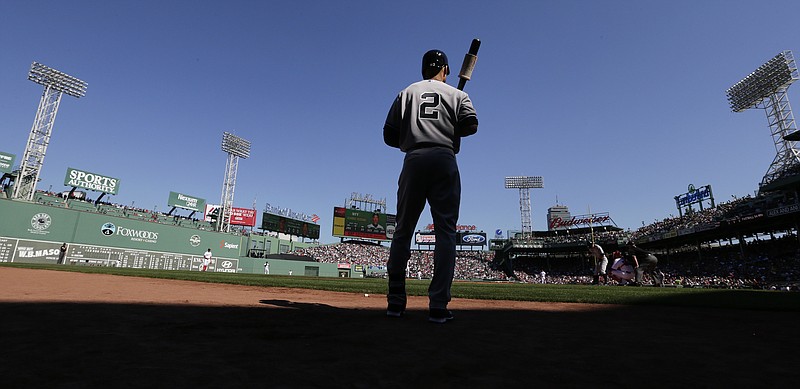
[81, 205]
[51, 199]
[204, 225]
[111, 210]
[48, 199]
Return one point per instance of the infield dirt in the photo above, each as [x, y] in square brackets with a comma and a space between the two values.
[64, 329]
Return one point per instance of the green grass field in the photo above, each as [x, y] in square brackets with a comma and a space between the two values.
[686, 297]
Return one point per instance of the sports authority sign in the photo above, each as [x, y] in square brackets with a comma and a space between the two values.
[91, 181]
[191, 203]
[6, 162]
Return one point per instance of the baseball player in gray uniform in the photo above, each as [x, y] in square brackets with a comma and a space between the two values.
[427, 121]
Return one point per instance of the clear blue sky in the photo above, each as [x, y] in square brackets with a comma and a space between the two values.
[619, 105]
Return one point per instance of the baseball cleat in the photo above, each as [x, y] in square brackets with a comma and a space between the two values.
[440, 316]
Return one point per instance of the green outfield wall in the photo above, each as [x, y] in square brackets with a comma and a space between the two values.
[33, 233]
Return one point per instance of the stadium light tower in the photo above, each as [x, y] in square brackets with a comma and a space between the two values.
[55, 85]
[236, 148]
[766, 88]
[524, 184]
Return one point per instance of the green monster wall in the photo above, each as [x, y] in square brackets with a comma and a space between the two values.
[33, 233]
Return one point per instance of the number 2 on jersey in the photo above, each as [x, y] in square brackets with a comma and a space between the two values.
[428, 109]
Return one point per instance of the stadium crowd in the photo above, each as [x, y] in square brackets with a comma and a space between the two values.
[769, 264]
[762, 263]
[469, 264]
[582, 239]
[691, 219]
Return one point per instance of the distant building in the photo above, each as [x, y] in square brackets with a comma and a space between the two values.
[557, 212]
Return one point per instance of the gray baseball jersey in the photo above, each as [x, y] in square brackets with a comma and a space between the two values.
[428, 113]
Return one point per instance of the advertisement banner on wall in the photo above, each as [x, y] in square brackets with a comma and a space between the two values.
[6, 162]
[424, 238]
[211, 212]
[32, 251]
[191, 203]
[239, 216]
[243, 217]
[463, 238]
[471, 239]
[91, 181]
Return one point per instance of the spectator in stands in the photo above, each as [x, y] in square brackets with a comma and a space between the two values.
[770, 264]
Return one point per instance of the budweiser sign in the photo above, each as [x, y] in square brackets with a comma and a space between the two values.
[579, 221]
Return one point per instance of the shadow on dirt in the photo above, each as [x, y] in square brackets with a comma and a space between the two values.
[288, 344]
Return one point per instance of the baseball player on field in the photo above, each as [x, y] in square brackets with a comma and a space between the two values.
[206, 260]
[600, 263]
[427, 121]
[621, 270]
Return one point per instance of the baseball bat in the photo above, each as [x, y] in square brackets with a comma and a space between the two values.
[469, 63]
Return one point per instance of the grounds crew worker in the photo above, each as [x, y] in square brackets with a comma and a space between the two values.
[427, 121]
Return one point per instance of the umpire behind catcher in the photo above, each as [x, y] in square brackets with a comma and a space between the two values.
[644, 261]
[427, 121]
